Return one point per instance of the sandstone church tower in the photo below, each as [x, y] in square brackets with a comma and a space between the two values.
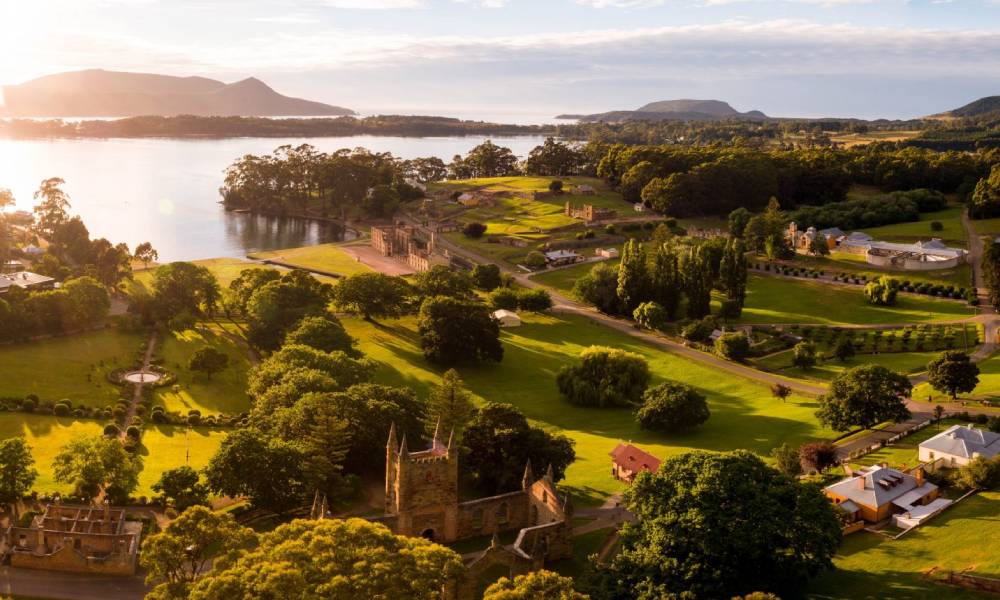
[421, 488]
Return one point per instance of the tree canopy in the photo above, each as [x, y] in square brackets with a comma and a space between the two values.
[865, 396]
[605, 377]
[953, 373]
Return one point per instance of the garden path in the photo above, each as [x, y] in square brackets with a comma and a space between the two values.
[137, 393]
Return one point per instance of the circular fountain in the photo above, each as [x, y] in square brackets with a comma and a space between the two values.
[141, 377]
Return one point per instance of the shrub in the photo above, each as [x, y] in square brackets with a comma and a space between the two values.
[535, 260]
[817, 456]
[534, 300]
[111, 430]
[556, 186]
[504, 298]
[672, 407]
[882, 291]
[650, 315]
[61, 409]
[732, 346]
[133, 432]
[474, 230]
[605, 377]
[29, 405]
[193, 420]
[609, 229]
[937, 226]
[804, 355]
[699, 331]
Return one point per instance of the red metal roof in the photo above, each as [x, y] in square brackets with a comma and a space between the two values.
[634, 459]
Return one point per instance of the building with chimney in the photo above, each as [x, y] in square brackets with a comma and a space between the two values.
[877, 493]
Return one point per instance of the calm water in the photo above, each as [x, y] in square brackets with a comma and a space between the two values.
[165, 191]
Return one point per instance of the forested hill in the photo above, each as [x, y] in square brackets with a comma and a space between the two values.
[977, 108]
[672, 110]
[99, 93]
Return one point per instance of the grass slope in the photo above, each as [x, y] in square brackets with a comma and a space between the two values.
[872, 567]
[46, 435]
[901, 362]
[778, 300]
[951, 218]
[224, 393]
[167, 447]
[562, 280]
[744, 415]
[324, 257]
[58, 368]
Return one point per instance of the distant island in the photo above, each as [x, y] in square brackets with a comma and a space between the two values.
[988, 106]
[99, 93]
[672, 110]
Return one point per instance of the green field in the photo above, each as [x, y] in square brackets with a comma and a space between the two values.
[780, 300]
[562, 280]
[987, 226]
[169, 446]
[901, 362]
[59, 368]
[324, 257]
[871, 567]
[744, 415]
[987, 390]
[224, 393]
[854, 264]
[953, 232]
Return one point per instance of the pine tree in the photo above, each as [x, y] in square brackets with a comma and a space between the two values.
[665, 279]
[449, 404]
[733, 272]
[697, 278]
[633, 280]
[991, 272]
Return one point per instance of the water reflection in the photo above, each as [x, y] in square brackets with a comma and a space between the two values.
[256, 233]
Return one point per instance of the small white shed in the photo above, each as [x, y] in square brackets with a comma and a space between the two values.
[507, 318]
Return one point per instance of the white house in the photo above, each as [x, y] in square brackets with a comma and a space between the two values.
[507, 318]
[639, 207]
[959, 444]
[607, 252]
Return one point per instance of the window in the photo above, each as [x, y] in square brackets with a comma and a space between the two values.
[503, 513]
[477, 518]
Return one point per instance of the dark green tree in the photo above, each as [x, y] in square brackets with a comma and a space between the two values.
[733, 273]
[440, 280]
[599, 287]
[455, 331]
[486, 277]
[605, 377]
[733, 346]
[17, 473]
[237, 466]
[633, 280]
[844, 349]
[738, 220]
[665, 279]
[672, 407]
[278, 306]
[181, 488]
[882, 291]
[208, 360]
[696, 278]
[804, 355]
[373, 295]
[865, 396]
[953, 373]
[786, 460]
[323, 332]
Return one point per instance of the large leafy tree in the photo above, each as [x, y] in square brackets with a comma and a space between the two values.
[175, 557]
[489, 160]
[455, 331]
[600, 288]
[537, 585]
[183, 287]
[553, 158]
[208, 360]
[145, 253]
[605, 377]
[332, 559]
[17, 472]
[440, 280]
[882, 291]
[991, 272]
[953, 373]
[498, 442]
[181, 488]
[719, 525]
[52, 207]
[283, 365]
[449, 405]
[248, 282]
[325, 333]
[278, 306]
[672, 407]
[985, 201]
[267, 471]
[865, 396]
[373, 295]
[93, 464]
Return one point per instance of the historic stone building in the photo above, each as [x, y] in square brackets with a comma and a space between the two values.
[588, 212]
[83, 539]
[404, 242]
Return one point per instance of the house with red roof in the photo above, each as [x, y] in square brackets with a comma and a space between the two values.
[627, 461]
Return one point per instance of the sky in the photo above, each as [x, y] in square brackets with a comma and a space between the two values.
[792, 58]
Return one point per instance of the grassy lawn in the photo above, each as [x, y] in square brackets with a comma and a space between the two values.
[59, 368]
[583, 546]
[901, 362]
[167, 447]
[562, 280]
[224, 269]
[904, 453]
[324, 257]
[987, 390]
[844, 262]
[777, 300]
[744, 415]
[987, 226]
[46, 435]
[224, 393]
[870, 566]
[953, 232]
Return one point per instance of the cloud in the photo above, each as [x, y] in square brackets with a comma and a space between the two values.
[372, 4]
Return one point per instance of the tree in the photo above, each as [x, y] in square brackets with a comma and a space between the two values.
[145, 253]
[979, 473]
[323, 332]
[454, 331]
[51, 210]
[181, 487]
[486, 277]
[738, 220]
[985, 200]
[537, 300]
[633, 280]
[556, 186]
[804, 355]
[953, 373]
[605, 377]
[818, 246]
[865, 396]
[489, 160]
[372, 295]
[535, 260]
[938, 412]
[17, 473]
[599, 287]
[303, 366]
[381, 201]
[672, 407]
[440, 280]
[696, 277]
[504, 298]
[553, 158]
[781, 391]
[733, 346]
[208, 360]
[717, 525]
[665, 278]
[352, 558]
[279, 306]
[449, 406]
[93, 464]
[474, 230]
[882, 291]
[786, 460]
[236, 467]
[537, 585]
[991, 271]
[498, 442]
[175, 557]
[844, 349]
[733, 273]
[650, 315]
[183, 287]
[817, 456]
[248, 282]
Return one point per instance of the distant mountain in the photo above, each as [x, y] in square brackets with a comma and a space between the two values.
[673, 110]
[977, 108]
[99, 93]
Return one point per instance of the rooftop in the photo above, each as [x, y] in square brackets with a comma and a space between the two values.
[634, 459]
[882, 486]
[965, 441]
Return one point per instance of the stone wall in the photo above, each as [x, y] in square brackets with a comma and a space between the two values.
[66, 558]
[494, 514]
